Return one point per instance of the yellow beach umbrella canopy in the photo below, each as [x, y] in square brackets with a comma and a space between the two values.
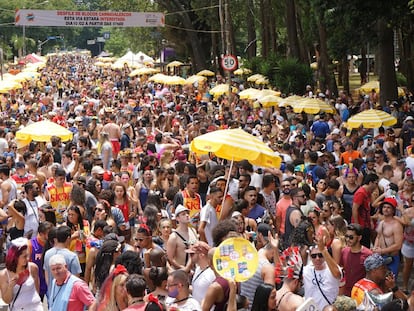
[175, 63]
[249, 93]
[206, 73]
[236, 145]
[270, 100]
[194, 79]
[242, 71]
[255, 77]
[312, 106]
[369, 86]
[174, 80]
[143, 71]
[8, 85]
[43, 131]
[159, 78]
[291, 100]
[371, 118]
[222, 89]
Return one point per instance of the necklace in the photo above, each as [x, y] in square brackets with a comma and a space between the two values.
[137, 300]
[181, 300]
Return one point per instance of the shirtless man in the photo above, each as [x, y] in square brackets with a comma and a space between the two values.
[180, 240]
[389, 235]
[114, 132]
[286, 297]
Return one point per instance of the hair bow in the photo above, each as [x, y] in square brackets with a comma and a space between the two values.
[152, 298]
[120, 269]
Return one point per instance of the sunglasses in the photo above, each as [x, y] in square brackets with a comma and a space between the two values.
[139, 239]
[99, 209]
[351, 237]
[317, 255]
[326, 210]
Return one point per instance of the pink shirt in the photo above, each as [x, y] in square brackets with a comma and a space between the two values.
[80, 296]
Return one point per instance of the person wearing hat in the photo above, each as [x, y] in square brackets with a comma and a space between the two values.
[390, 235]
[180, 240]
[377, 280]
[320, 128]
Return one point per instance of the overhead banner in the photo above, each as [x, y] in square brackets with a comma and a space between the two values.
[27, 17]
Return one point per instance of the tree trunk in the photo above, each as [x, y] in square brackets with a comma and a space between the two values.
[264, 28]
[292, 31]
[326, 79]
[387, 76]
[345, 74]
[407, 51]
[363, 68]
[251, 47]
[197, 51]
[271, 17]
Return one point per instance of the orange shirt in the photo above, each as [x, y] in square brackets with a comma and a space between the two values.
[347, 157]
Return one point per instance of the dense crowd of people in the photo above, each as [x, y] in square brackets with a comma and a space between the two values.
[125, 217]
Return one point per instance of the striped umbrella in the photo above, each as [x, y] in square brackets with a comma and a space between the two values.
[371, 118]
[312, 106]
[236, 145]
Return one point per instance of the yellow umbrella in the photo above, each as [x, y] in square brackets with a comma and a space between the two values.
[100, 64]
[194, 79]
[371, 118]
[242, 71]
[291, 100]
[269, 100]
[255, 77]
[143, 71]
[174, 80]
[236, 145]
[43, 131]
[222, 89]
[266, 92]
[8, 85]
[263, 80]
[159, 78]
[312, 106]
[205, 72]
[175, 63]
[28, 75]
[249, 93]
[369, 86]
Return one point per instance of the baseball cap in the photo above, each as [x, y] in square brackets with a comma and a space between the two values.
[336, 131]
[391, 201]
[97, 170]
[179, 209]
[114, 237]
[20, 165]
[376, 261]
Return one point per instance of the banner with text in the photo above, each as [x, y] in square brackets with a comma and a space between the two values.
[26, 17]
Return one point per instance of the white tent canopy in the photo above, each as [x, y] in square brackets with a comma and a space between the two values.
[139, 58]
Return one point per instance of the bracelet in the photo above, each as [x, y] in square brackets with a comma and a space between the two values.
[395, 289]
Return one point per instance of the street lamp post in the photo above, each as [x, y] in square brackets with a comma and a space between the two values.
[24, 28]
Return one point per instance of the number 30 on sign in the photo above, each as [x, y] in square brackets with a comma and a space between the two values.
[229, 62]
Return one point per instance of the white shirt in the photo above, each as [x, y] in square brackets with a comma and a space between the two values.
[328, 283]
[208, 214]
[202, 279]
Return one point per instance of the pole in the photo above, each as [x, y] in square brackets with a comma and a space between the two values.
[1, 63]
[228, 46]
[24, 41]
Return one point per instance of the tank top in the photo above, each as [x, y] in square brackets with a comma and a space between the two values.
[36, 251]
[59, 199]
[221, 306]
[348, 197]
[143, 195]
[28, 298]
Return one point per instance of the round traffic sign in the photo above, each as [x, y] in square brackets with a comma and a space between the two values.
[229, 62]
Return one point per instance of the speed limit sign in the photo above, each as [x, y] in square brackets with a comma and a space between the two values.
[229, 62]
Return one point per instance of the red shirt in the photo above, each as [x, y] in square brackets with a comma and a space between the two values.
[80, 296]
[363, 198]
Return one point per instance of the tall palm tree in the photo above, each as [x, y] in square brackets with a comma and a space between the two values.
[17, 42]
